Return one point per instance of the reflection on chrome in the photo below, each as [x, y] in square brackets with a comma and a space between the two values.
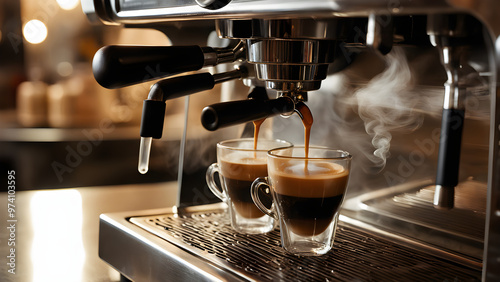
[57, 252]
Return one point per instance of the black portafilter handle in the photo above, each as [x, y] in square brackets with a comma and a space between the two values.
[226, 114]
[449, 157]
[153, 111]
[118, 66]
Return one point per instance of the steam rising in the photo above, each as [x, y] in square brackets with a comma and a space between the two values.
[388, 104]
[362, 117]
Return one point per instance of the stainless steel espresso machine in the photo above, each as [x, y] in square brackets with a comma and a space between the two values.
[409, 87]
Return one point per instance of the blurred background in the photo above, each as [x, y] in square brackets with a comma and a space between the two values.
[72, 144]
[58, 127]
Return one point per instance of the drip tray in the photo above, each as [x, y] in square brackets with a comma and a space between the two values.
[408, 209]
[200, 244]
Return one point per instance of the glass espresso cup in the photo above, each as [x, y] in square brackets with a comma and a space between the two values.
[307, 196]
[238, 164]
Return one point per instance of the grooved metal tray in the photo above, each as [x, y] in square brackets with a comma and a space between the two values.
[409, 210]
[358, 255]
[417, 207]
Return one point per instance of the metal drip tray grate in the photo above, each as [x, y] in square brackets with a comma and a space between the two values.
[409, 210]
[357, 255]
[417, 207]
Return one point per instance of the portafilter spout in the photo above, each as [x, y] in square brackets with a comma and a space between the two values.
[256, 107]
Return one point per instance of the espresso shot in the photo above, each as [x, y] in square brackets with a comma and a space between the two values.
[238, 173]
[308, 188]
[239, 163]
[309, 198]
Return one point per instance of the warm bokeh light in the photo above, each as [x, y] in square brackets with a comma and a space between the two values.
[64, 69]
[35, 31]
[68, 4]
[57, 252]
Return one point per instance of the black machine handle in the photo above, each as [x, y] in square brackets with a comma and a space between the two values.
[153, 117]
[118, 66]
[449, 147]
[226, 114]
[176, 87]
[153, 111]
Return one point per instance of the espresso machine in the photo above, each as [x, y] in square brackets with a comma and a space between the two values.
[409, 87]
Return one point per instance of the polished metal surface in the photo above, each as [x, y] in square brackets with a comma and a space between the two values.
[296, 87]
[291, 64]
[142, 256]
[454, 97]
[215, 56]
[289, 54]
[199, 244]
[454, 35]
[145, 11]
[292, 73]
[57, 230]
[380, 33]
[409, 209]
[287, 51]
[455, 86]
[290, 28]
[491, 271]
[444, 197]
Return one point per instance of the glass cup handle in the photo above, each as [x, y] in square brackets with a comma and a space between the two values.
[209, 177]
[256, 186]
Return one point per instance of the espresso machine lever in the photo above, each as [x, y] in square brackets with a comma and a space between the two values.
[118, 66]
[153, 112]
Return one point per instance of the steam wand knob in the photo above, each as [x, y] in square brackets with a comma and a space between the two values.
[153, 112]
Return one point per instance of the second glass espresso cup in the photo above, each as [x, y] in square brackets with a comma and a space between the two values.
[308, 193]
[238, 164]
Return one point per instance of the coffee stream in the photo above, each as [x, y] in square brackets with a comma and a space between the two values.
[308, 209]
[239, 176]
[256, 126]
[307, 120]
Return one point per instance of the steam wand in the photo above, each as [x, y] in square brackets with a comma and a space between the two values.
[451, 131]
[153, 112]
[453, 35]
